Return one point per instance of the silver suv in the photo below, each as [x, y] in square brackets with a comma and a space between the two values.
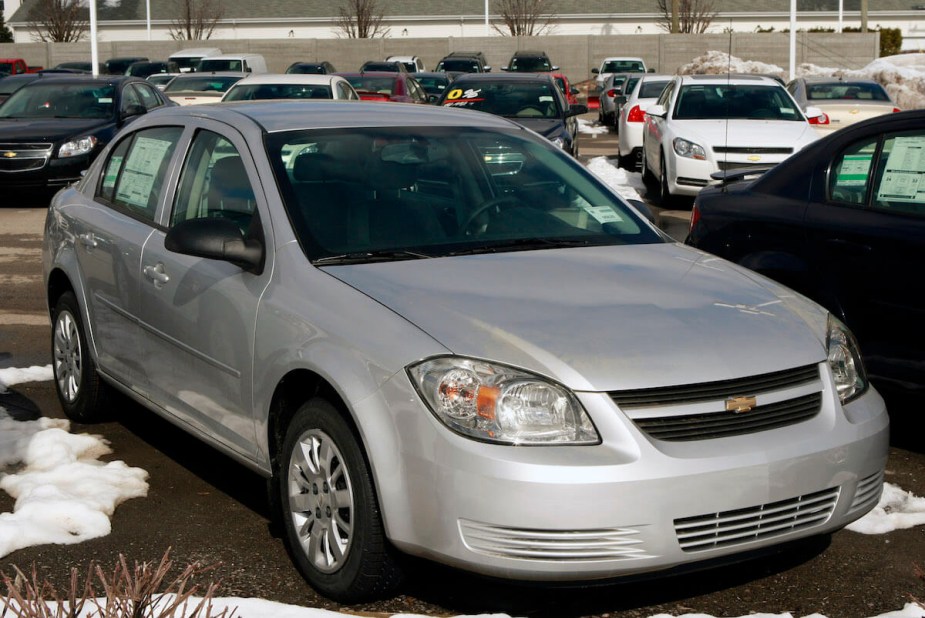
[436, 333]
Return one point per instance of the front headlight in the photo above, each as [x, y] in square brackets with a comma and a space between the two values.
[688, 150]
[499, 404]
[78, 146]
[845, 361]
[559, 141]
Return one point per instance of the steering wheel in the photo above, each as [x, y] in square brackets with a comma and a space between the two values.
[499, 202]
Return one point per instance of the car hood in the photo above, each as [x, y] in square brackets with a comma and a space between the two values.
[544, 126]
[747, 133]
[602, 318]
[48, 129]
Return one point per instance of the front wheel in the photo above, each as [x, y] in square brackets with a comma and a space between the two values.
[81, 391]
[330, 514]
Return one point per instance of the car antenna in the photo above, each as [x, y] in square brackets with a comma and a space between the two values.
[728, 88]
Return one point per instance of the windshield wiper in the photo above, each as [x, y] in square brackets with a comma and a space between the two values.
[361, 257]
[526, 244]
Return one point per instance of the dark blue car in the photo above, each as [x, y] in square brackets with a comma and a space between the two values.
[843, 222]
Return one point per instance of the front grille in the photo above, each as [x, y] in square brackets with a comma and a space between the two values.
[724, 424]
[751, 150]
[738, 165]
[558, 545]
[709, 391]
[868, 493]
[741, 526]
[23, 157]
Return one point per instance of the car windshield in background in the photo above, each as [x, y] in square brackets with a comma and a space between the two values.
[382, 85]
[843, 90]
[54, 100]
[462, 66]
[735, 101]
[651, 90]
[254, 92]
[530, 65]
[512, 99]
[204, 83]
[623, 67]
[433, 192]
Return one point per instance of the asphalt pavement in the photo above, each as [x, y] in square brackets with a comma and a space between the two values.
[203, 507]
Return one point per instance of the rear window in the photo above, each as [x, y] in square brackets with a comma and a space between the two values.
[846, 91]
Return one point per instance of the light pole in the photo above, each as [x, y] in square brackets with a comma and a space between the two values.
[94, 52]
[793, 38]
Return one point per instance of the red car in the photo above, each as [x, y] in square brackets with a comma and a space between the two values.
[382, 86]
[567, 89]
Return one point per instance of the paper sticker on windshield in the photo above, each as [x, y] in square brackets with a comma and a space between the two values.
[853, 171]
[545, 99]
[603, 214]
[904, 176]
[141, 168]
[104, 100]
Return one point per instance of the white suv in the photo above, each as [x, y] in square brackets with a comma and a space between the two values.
[412, 63]
[618, 64]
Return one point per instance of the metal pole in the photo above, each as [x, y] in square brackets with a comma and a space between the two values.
[94, 52]
[863, 15]
[841, 14]
[487, 30]
[148, 17]
[793, 38]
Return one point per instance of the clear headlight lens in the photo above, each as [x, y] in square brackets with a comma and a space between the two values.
[844, 358]
[499, 404]
[688, 150]
[78, 146]
[558, 141]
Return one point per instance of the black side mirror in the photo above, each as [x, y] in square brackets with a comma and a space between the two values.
[133, 110]
[216, 239]
[576, 110]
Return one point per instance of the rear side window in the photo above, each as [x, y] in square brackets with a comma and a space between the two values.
[134, 173]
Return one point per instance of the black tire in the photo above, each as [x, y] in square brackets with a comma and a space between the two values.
[82, 393]
[626, 163]
[328, 508]
[648, 178]
[664, 193]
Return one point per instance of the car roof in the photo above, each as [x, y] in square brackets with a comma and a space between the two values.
[311, 79]
[505, 77]
[87, 78]
[283, 115]
[728, 78]
[526, 52]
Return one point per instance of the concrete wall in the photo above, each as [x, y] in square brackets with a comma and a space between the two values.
[574, 54]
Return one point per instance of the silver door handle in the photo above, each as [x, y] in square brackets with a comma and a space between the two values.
[156, 274]
[89, 240]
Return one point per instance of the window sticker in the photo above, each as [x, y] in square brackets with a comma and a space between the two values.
[112, 172]
[104, 100]
[904, 176]
[603, 214]
[140, 173]
[854, 171]
[545, 99]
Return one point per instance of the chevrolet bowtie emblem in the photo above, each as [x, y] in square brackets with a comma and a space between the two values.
[9, 154]
[740, 405]
[754, 158]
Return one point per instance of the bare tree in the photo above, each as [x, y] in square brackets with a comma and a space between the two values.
[524, 17]
[361, 19]
[57, 21]
[196, 19]
[693, 16]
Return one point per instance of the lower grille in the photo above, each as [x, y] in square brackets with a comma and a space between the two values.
[868, 493]
[23, 157]
[752, 150]
[557, 545]
[741, 526]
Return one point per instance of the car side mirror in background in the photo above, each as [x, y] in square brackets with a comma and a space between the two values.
[555, 68]
[657, 110]
[596, 71]
[576, 110]
[574, 90]
[813, 112]
[651, 71]
[133, 110]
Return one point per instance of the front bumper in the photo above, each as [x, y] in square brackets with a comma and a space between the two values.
[689, 176]
[633, 504]
[50, 173]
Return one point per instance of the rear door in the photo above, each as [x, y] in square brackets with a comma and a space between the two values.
[109, 238]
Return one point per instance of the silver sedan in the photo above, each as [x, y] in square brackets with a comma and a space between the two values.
[436, 333]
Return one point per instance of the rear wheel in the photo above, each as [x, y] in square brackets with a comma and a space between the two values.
[329, 511]
[664, 192]
[81, 391]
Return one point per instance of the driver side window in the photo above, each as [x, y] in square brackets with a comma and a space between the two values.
[851, 172]
[214, 183]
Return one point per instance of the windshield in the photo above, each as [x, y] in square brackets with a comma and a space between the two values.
[377, 194]
[212, 64]
[56, 100]
[735, 101]
[623, 66]
[850, 91]
[254, 92]
[522, 99]
[529, 64]
[652, 90]
[464, 65]
[204, 83]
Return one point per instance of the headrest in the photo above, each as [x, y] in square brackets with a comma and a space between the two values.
[310, 167]
[387, 175]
